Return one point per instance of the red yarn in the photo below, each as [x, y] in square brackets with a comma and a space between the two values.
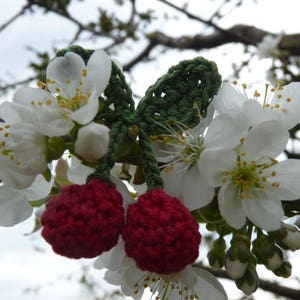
[84, 220]
[161, 235]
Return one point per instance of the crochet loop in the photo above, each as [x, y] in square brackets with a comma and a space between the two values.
[84, 220]
[171, 99]
[160, 233]
[174, 96]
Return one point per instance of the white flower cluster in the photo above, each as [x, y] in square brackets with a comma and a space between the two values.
[235, 154]
[69, 98]
[231, 157]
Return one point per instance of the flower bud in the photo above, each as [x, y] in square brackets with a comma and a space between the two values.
[216, 255]
[285, 270]
[236, 268]
[237, 257]
[267, 252]
[275, 260]
[288, 237]
[92, 141]
[248, 283]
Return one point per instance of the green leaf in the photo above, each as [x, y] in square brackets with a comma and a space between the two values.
[179, 96]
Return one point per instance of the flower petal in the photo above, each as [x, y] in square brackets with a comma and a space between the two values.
[288, 100]
[263, 211]
[15, 179]
[34, 97]
[256, 114]
[99, 71]
[226, 130]
[61, 69]
[78, 172]
[196, 193]
[39, 107]
[230, 206]
[8, 113]
[267, 139]
[207, 286]
[111, 259]
[173, 183]
[288, 177]
[87, 112]
[14, 207]
[39, 189]
[228, 99]
[213, 163]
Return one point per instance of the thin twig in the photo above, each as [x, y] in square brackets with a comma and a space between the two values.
[13, 18]
[273, 287]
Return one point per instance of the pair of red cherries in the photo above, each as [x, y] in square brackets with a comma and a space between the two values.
[159, 232]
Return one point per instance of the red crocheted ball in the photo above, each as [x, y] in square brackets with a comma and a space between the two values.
[160, 234]
[84, 220]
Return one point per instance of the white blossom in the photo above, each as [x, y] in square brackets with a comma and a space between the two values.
[22, 154]
[70, 94]
[14, 203]
[282, 102]
[252, 182]
[189, 283]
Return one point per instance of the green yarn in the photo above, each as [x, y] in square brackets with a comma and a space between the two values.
[150, 165]
[84, 53]
[116, 134]
[117, 94]
[172, 98]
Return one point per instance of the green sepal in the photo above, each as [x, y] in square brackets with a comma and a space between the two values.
[47, 175]
[55, 148]
[38, 203]
[209, 213]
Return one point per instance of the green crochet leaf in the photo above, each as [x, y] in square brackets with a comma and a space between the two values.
[173, 97]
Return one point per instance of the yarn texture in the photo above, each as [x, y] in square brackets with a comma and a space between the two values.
[160, 234]
[84, 220]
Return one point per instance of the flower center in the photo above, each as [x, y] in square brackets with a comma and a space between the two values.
[74, 103]
[163, 289]
[77, 100]
[184, 150]
[245, 176]
[249, 176]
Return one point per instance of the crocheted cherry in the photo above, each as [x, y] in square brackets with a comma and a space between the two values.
[160, 234]
[84, 220]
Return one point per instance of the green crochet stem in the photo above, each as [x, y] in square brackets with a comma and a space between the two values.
[118, 93]
[150, 166]
[117, 133]
[173, 97]
[171, 100]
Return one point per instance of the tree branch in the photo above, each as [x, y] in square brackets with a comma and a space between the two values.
[272, 287]
[193, 17]
[143, 55]
[13, 18]
[4, 87]
[244, 34]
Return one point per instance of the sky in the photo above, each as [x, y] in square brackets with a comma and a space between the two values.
[29, 269]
